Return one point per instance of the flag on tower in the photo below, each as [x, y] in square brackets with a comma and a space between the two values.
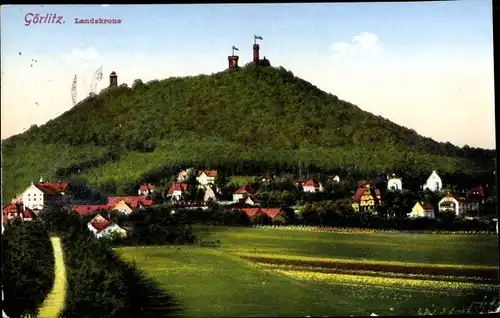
[235, 48]
[256, 37]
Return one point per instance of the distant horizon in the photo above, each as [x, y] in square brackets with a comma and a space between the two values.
[424, 66]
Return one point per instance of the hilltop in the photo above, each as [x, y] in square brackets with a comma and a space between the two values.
[261, 115]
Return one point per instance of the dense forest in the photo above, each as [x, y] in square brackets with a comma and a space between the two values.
[251, 114]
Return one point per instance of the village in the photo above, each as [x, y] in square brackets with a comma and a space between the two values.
[367, 198]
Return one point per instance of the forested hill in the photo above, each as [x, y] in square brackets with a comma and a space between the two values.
[262, 114]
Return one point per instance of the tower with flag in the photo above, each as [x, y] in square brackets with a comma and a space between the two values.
[256, 57]
[233, 59]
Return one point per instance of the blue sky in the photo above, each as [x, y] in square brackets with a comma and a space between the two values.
[358, 51]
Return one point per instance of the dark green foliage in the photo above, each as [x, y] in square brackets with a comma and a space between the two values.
[99, 283]
[28, 267]
[262, 115]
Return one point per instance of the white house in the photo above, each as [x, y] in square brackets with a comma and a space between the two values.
[102, 227]
[394, 183]
[44, 193]
[206, 178]
[433, 183]
[312, 185]
[458, 204]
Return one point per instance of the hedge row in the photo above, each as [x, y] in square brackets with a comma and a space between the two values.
[28, 267]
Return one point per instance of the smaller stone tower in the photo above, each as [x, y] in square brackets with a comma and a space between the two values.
[233, 61]
[113, 79]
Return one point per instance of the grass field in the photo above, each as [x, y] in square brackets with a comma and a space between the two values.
[267, 272]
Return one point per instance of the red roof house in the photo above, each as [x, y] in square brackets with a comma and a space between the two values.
[312, 185]
[146, 189]
[180, 187]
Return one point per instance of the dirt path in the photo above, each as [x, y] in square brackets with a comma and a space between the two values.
[54, 303]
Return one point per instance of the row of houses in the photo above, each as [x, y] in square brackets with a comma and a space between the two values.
[366, 197]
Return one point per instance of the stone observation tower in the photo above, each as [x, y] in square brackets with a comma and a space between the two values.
[233, 59]
[256, 57]
[113, 79]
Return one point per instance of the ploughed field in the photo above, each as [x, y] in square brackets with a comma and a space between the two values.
[270, 272]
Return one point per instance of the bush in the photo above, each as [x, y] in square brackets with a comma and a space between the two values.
[28, 267]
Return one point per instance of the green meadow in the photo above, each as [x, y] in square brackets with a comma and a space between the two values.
[271, 272]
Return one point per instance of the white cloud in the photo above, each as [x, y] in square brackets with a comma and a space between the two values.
[361, 44]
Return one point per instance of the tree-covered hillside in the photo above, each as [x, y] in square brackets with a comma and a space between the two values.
[264, 115]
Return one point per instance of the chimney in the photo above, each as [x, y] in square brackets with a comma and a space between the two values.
[41, 179]
[113, 79]
[256, 53]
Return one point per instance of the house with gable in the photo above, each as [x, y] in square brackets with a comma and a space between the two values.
[458, 204]
[243, 192]
[178, 191]
[146, 189]
[312, 185]
[422, 210]
[104, 228]
[366, 197]
[434, 182]
[38, 195]
[206, 178]
[210, 194]
[394, 183]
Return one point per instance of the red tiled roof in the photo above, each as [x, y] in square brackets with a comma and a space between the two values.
[209, 173]
[53, 187]
[134, 201]
[359, 193]
[89, 209]
[427, 206]
[183, 187]
[272, 212]
[300, 180]
[100, 225]
[245, 189]
[46, 189]
[147, 187]
[250, 211]
[312, 183]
